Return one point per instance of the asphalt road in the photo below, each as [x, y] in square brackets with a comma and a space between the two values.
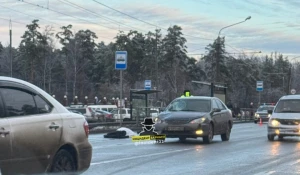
[247, 152]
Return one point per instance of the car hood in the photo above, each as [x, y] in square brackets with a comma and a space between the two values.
[181, 115]
[286, 115]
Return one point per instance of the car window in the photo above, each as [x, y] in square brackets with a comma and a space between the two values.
[115, 111]
[104, 109]
[123, 111]
[199, 105]
[288, 106]
[214, 104]
[220, 105]
[265, 108]
[42, 105]
[18, 103]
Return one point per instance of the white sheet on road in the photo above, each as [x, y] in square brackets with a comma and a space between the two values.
[129, 132]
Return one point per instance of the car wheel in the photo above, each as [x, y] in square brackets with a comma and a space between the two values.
[226, 135]
[280, 137]
[255, 122]
[63, 162]
[182, 139]
[208, 139]
[271, 137]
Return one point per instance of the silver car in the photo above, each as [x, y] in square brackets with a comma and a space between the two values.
[285, 119]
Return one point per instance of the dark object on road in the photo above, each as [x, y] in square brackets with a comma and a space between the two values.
[116, 134]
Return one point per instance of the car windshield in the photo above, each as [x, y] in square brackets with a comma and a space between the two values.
[288, 106]
[265, 108]
[193, 105]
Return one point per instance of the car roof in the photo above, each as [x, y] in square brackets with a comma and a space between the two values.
[198, 97]
[287, 97]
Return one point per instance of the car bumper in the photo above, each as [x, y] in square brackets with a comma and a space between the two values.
[284, 130]
[84, 157]
[186, 130]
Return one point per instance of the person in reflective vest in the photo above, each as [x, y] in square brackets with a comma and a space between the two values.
[186, 93]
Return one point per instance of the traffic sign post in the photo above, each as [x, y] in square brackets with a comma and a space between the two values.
[148, 84]
[293, 91]
[121, 64]
[259, 88]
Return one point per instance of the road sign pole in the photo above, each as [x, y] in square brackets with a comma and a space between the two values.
[121, 94]
[259, 98]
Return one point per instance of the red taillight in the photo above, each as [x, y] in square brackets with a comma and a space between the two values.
[90, 109]
[86, 128]
[109, 115]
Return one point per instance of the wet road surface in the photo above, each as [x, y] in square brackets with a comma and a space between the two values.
[247, 152]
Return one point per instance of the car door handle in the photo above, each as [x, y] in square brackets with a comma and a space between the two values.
[4, 132]
[53, 126]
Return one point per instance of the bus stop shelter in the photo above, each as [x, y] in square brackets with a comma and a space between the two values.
[139, 101]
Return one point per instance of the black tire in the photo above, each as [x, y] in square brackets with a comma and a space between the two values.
[271, 137]
[255, 122]
[226, 135]
[63, 161]
[182, 139]
[280, 137]
[208, 139]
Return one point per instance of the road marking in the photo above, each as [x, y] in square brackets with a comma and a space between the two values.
[142, 156]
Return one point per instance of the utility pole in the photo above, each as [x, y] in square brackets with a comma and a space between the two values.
[10, 49]
[156, 64]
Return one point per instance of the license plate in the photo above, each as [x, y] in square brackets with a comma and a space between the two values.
[175, 128]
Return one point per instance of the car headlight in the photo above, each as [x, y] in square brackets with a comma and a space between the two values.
[158, 120]
[269, 115]
[199, 120]
[274, 123]
[256, 115]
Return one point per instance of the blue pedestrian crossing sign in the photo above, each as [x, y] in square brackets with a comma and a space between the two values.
[148, 84]
[121, 60]
[259, 86]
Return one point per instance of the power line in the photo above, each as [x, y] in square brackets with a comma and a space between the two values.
[143, 20]
[12, 21]
[29, 15]
[94, 13]
[65, 14]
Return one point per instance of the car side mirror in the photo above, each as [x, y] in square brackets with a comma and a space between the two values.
[216, 110]
[270, 111]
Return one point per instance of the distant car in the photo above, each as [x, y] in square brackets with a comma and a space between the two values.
[81, 111]
[105, 116]
[193, 117]
[262, 113]
[38, 134]
[285, 118]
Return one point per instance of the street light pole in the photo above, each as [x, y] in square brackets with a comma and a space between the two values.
[216, 78]
[290, 75]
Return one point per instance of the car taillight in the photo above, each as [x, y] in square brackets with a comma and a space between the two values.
[90, 109]
[109, 115]
[86, 128]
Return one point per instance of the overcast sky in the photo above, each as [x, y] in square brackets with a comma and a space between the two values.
[274, 24]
